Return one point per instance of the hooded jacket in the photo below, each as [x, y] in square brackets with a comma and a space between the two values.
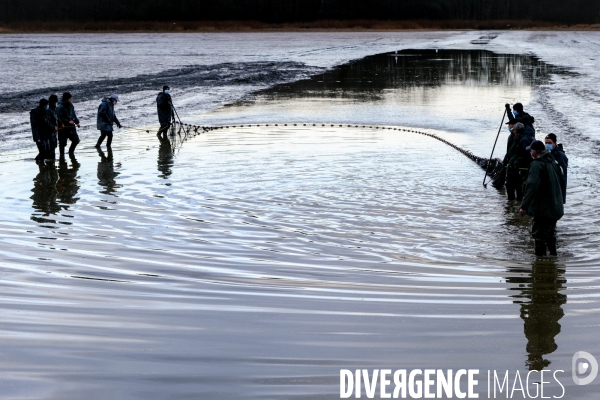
[65, 112]
[106, 115]
[543, 198]
[164, 108]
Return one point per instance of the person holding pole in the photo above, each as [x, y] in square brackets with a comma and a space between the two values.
[164, 107]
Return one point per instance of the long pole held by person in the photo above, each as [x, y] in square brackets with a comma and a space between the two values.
[493, 148]
[175, 113]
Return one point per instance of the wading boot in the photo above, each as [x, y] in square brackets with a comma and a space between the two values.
[540, 248]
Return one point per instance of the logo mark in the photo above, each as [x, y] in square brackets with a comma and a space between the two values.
[580, 367]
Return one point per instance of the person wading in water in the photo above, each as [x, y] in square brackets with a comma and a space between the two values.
[164, 107]
[106, 119]
[543, 199]
[67, 120]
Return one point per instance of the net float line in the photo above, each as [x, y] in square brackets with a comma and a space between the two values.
[495, 165]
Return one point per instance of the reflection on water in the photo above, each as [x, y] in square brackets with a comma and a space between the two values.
[54, 189]
[297, 252]
[68, 184]
[106, 172]
[165, 158]
[539, 286]
[371, 76]
[540, 295]
[453, 91]
[44, 194]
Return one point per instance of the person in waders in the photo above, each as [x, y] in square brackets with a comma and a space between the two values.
[543, 198]
[106, 119]
[517, 164]
[557, 151]
[500, 181]
[164, 106]
[53, 102]
[41, 129]
[67, 120]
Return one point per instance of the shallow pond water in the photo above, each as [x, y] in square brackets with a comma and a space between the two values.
[256, 262]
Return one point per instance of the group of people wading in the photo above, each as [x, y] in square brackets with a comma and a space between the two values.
[536, 175]
[54, 123]
[535, 172]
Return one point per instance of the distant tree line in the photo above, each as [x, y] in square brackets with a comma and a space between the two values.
[572, 11]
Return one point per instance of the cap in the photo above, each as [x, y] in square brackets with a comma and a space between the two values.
[518, 107]
[518, 127]
[115, 97]
[537, 146]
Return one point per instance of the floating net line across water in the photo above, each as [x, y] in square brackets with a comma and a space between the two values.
[493, 167]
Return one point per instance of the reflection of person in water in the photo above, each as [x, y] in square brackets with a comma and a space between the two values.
[44, 193]
[67, 185]
[541, 303]
[106, 171]
[165, 158]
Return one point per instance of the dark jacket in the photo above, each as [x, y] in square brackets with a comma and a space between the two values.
[524, 118]
[106, 116]
[518, 156]
[563, 162]
[65, 113]
[41, 127]
[53, 119]
[543, 194]
[165, 108]
[509, 144]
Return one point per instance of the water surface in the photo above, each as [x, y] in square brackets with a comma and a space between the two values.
[257, 262]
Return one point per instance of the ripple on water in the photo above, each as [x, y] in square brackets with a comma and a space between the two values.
[275, 230]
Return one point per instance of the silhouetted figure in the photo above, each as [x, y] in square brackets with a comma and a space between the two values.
[164, 107]
[53, 103]
[543, 198]
[44, 194]
[106, 119]
[67, 120]
[42, 129]
[106, 172]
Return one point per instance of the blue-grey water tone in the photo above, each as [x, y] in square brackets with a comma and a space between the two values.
[256, 262]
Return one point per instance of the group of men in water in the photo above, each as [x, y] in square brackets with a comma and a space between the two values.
[54, 124]
[535, 174]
